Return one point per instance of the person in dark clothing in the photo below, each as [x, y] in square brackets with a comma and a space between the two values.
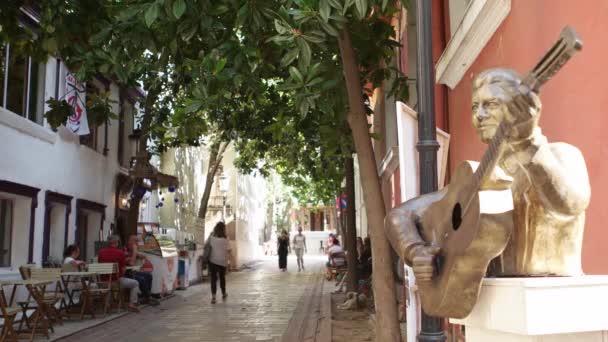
[364, 267]
[283, 250]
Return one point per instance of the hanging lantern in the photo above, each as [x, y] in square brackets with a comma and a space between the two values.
[171, 189]
[175, 200]
[160, 204]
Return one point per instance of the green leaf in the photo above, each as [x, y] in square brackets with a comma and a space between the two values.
[221, 9]
[336, 4]
[121, 73]
[315, 81]
[296, 74]
[194, 106]
[278, 27]
[315, 39]
[329, 29]
[384, 3]
[304, 106]
[324, 10]
[290, 57]
[151, 14]
[347, 5]
[220, 66]
[305, 52]
[361, 8]
[179, 8]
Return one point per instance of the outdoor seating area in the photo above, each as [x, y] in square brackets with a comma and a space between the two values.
[45, 298]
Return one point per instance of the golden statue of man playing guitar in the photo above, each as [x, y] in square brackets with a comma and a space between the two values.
[522, 208]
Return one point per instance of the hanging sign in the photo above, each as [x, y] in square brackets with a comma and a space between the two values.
[75, 95]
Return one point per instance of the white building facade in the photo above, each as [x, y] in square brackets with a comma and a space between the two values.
[56, 188]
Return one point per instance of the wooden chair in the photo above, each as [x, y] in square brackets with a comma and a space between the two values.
[107, 279]
[8, 314]
[333, 269]
[52, 298]
[24, 270]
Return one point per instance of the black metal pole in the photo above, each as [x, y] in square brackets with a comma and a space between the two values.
[427, 146]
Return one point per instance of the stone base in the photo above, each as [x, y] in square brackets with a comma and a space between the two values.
[547, 309]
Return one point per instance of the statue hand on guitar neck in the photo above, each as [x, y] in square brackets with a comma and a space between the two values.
[524, 109]
[423, 262]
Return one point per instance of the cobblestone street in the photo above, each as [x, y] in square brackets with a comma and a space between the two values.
[260, 305]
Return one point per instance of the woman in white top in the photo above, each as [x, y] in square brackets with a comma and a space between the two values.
[70, 255]
[218, 259]
[299, 246]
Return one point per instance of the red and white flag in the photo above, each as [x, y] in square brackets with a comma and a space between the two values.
[75, 95]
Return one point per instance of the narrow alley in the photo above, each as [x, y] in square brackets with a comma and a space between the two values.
[261, 304]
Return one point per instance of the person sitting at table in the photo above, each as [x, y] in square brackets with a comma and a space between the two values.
[70, 257]
[113, 254]
[143, 278]
[335, 254]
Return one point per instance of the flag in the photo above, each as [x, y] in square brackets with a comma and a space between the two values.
[75, 95]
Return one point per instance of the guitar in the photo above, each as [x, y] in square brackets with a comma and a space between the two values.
[470, 226]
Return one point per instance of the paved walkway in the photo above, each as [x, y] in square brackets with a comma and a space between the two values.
[260, 305]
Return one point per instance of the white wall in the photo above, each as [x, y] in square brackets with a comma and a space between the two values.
[250, 196]
[36, 156]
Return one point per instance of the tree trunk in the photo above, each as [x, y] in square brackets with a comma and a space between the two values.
[142, 145]
[379, 123]
[351, 227]
[215, 159]
[387, 324]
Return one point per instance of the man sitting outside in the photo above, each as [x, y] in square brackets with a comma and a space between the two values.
[113, 254]
[143, 278]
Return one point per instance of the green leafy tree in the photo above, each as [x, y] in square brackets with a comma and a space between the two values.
[334, 47]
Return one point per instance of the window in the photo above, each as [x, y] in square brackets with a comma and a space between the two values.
[21, 85]
[90, 140]
[6, 222]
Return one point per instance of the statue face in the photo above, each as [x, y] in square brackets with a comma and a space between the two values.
[489, 110]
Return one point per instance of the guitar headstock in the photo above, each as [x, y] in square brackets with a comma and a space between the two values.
[568, 44]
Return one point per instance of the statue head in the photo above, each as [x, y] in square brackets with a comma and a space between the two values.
[493, 89]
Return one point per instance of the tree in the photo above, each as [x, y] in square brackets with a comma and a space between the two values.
[357, 32]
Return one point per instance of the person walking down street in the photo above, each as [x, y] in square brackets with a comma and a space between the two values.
[218, 259]
[299, 246]
[282, 250]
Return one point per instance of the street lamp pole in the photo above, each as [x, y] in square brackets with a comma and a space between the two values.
[224, 190]
[224, 208]
[431, 327]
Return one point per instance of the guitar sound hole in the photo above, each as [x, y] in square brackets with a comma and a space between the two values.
[438, 261]
[456, 216]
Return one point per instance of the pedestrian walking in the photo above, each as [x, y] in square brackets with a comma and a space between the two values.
[299, 246]
[283, 249]
[218, 259]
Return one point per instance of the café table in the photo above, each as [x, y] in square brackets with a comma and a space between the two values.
[40, 320]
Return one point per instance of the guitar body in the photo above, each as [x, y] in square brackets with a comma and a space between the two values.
[470, 233]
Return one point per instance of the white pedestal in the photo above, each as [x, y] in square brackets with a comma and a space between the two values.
[548, 309]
